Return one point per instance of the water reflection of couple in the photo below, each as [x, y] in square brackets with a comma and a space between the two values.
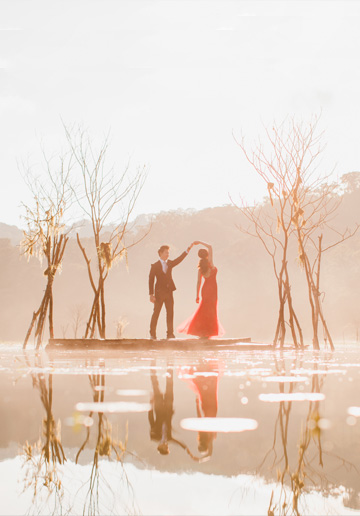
[203, 380]
[204, 323]
[161, 413]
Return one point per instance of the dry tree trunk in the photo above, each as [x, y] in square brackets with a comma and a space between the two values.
[93, 317]
[103, 311]
[285, 298]
[317, 296]
[39, 318]
[280, 328]
[293, 320]
[314, 293]
[47, 302]
[97, 317]
[309, 280]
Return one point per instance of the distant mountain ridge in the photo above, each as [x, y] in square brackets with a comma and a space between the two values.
[12, 232]
[83, 227]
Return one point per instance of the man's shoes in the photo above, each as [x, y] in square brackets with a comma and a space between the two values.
[153, 337]
[170, 336]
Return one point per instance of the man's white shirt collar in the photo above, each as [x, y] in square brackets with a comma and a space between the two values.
[164, 265]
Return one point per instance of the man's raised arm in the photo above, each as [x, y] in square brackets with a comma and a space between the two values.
[180, 258]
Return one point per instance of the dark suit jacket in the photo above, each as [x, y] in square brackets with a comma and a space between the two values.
[164, 282]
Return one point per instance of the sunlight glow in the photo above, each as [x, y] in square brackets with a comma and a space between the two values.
[78, 420]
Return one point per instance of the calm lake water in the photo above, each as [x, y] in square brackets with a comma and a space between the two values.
[177, 432]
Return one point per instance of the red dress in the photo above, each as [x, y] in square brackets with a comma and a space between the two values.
[204, 322]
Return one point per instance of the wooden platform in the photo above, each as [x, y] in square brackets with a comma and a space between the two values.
[244, 344]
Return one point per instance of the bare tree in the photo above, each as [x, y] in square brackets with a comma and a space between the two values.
[301, 205]
[289, 149]
[101, 192]
[277, 247]
[315, 203]
[46, 234]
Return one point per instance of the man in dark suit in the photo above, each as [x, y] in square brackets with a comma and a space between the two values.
[161, 271]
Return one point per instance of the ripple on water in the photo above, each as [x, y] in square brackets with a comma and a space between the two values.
[132, 392]
[292, 396]
[113, 407]
[77, 371]
[285, 379]
[354, 411]
[318, 371]
[218, 424]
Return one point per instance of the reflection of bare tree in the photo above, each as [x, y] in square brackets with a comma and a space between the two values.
[296, 476]
[304, 474]
[43, 458]
[105, 446]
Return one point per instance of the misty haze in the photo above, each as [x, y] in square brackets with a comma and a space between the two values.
[247, 288]
[179, 257]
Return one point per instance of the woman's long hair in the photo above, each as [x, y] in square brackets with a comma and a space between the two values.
[204, 264]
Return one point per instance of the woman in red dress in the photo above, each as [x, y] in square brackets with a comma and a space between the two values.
[204, 322]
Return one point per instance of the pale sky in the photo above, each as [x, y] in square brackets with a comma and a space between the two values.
[173, 80]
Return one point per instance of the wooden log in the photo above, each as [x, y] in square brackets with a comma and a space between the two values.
[244, 344]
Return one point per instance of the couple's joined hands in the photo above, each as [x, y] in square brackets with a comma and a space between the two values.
[196, 242]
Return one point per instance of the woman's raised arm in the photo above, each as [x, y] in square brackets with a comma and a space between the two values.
[209, 248]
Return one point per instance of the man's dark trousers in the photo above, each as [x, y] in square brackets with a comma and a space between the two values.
[168, 299]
